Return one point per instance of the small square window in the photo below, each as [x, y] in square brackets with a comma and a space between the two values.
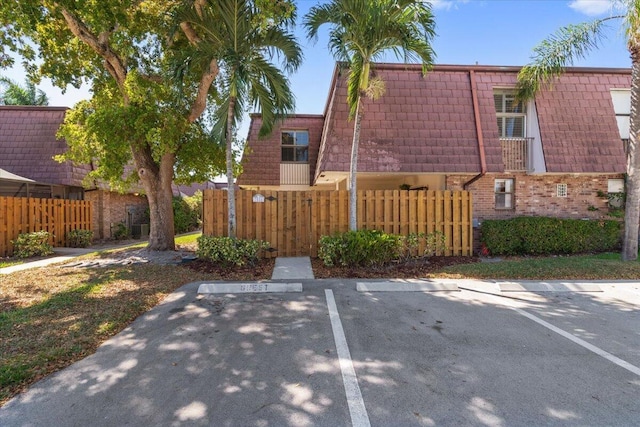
[504, 194]
[615, 186]
[561, 190]
[295, 146]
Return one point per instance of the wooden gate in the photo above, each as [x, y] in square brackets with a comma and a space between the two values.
[293, 221]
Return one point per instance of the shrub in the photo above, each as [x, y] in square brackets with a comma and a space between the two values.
[121, 231]
[546, 236]
[434, 243]
[362, 247]
[32, 244]
[229, 251]
[187, 213]
[79, 238]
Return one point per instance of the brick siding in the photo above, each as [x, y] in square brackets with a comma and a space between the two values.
[261, 163]
[110, 208]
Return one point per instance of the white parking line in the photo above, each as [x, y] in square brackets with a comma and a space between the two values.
[600, 352]
[359, 416]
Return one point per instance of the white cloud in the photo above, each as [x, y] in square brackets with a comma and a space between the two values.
[592, 7]
[446, 4]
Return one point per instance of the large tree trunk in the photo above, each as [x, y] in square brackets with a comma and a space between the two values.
[156, 180]
[231, 190]
[353, 169]
[632, 206]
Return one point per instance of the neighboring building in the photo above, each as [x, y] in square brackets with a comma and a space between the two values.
[189, 190]
[460, 127]
[27, 145]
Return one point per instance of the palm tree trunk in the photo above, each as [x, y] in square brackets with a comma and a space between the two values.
[632, 206]
[231, 191]
[353, 169]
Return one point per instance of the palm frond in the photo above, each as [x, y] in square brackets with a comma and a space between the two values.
[362, 31]
[556, 53]
[632, 21]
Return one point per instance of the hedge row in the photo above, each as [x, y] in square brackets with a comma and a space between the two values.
[545, 236]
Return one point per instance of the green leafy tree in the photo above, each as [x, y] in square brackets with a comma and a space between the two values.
[361, 32]
[234, 32]
[560, 50]
[15, 94]
[139, 124]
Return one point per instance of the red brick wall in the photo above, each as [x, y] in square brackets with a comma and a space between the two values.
[261, 162]
[535, 195]
[110, 208]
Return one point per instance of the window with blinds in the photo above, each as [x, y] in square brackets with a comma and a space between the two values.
[504, 193]
[511, 114]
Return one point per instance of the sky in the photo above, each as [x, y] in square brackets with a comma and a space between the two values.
[484, 32]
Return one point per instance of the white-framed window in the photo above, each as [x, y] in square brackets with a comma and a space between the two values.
[562, 190]
[511, 114]
[615, 193]
[295, 146]
[622, 107]
[504, 193]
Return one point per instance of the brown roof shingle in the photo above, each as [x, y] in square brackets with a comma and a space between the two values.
[421, 124]
[427, 124]
[28, 144]
[578, 124]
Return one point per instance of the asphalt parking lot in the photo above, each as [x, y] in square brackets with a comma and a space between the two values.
[332, 356]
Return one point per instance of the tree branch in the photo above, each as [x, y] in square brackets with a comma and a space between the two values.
[100, 45]
[200, 103]
[207, 78]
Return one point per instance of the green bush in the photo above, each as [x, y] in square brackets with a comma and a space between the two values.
[362, 247]
[187, 213]
[121, 231]
[79, 238]
[546, 236]
[32, 244]
[434, 243]
[229, 251]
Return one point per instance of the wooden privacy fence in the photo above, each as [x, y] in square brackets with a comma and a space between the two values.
[25, 215]
[293, 221]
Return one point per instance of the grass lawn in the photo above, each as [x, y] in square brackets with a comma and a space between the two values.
[52, 317]
[588, 267]
[10, 262]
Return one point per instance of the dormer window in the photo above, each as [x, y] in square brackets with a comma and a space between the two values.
[511, 114]
[295, 146]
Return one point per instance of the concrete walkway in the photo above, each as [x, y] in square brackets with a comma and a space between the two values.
[292, 268]
[62, 255]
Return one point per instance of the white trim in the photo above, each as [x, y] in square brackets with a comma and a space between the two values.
[357, 410]
[600, 352]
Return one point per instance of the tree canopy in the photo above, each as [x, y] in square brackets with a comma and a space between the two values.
[138, 114]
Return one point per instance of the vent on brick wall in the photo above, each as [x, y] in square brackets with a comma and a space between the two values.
[561, 190]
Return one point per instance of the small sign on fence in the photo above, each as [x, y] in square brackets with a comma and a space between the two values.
[258, 198]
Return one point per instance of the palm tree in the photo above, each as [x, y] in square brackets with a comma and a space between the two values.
[361, 32]
[233, 32]
[15, 94]
[561, 50]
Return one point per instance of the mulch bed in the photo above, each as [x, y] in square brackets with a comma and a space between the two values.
[264, 268]
[400, 270]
